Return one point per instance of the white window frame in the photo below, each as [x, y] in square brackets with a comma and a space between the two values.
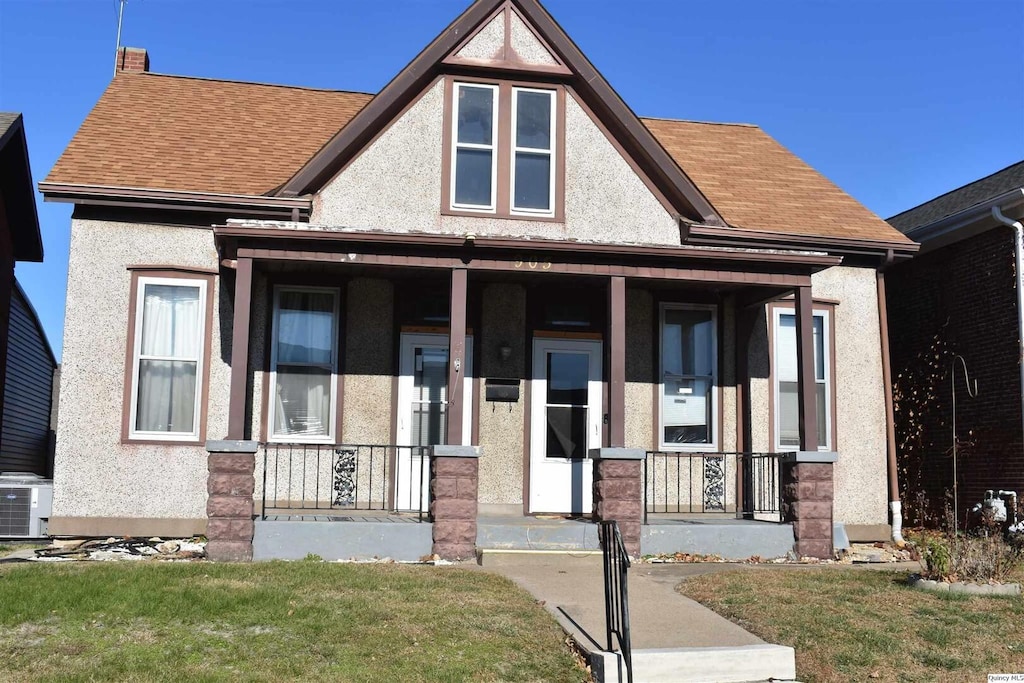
[553, 98]
[329, 438]
[826, 347]
[493, 148]
[137, 356]
[712, 444]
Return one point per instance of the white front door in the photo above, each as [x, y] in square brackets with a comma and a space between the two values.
[422, 411]
[565, 421]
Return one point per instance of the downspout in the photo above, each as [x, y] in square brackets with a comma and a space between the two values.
[895, 507]
[1018, 248]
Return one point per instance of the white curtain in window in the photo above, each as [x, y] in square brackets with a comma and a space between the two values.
[169, 358]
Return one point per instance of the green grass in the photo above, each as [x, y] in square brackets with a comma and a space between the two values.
[272, 622]
[850, 625]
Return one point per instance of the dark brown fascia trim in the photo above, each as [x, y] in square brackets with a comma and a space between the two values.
[755, 239]
[529, 245]
[147, 198]
[172, 268]
[621, 120]
[387, 104]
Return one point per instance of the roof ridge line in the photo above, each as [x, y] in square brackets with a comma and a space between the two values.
[707, 123]
[259, 83]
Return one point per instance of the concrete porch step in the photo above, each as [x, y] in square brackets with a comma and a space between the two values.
[533, 533]
[744, 664]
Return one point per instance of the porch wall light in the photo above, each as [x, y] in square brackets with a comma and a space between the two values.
[505, 351]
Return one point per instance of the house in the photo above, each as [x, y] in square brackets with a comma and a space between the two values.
[27, 363]
[488, 292]
[960, 298]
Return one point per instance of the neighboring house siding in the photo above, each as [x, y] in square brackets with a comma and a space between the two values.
[395, 186]
[25, 440]
[959, 299]
[96, 475]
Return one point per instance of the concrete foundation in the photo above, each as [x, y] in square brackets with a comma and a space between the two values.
[729, 539]
[293, 540]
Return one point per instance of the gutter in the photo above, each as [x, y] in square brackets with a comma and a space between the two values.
[153, 198]
[949, 224]
[1018, 248]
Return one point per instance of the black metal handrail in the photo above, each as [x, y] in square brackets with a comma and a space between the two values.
[616, 591]
[299, 477]
[703, 482]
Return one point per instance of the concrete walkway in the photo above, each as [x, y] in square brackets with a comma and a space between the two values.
[572, 588]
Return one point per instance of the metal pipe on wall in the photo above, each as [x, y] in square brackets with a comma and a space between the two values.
[1018, 244]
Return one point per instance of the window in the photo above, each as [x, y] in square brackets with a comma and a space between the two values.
[503, 150]
[304, 359]
[688, 406]
[474, 158]
[533, 183]
[167, 358]
[787, 415]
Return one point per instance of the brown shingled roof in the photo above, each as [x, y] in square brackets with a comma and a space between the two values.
[757, 184]
[179, 133]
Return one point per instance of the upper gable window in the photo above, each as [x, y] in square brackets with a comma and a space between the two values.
[533, 183]
[503, 150]
[475, 160]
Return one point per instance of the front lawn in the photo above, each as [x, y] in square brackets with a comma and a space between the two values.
[850, 625]
[270, 622]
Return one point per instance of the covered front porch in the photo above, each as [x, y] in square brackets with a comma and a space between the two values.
[540, 365]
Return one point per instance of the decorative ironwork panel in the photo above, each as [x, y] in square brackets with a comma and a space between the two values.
[714, 483]
[344, 477]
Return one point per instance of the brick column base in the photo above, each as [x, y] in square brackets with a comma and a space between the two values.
[453, 500]
[807, 493]
[229, 507]
[617, 492]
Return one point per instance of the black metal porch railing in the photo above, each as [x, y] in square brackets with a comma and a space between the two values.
[616, 591]
[697, 483]
[322, 477]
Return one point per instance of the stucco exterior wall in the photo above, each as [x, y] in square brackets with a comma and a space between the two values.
[409, 157]
[95, 474]
[640, 367]
[860, 474]
[369, 362]
[503, 320]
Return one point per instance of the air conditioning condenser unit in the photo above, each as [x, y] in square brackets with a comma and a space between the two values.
[25, 503]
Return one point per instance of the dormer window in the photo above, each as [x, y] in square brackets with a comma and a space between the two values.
[503, 146]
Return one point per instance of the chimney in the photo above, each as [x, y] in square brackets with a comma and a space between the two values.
[134, 59]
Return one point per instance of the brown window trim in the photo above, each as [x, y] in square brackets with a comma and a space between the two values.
[827, 306]
[180, 273]
[503, 149]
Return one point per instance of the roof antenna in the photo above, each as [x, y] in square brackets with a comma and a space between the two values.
[120, 16]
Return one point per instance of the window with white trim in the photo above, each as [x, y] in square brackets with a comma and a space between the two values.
[786, 373]
[503, 150]
[167, 358]
[688, 406]
[304, 365]
[533, 177]
[474, 152]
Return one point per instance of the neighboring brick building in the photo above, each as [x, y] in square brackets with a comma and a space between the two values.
[959, 296]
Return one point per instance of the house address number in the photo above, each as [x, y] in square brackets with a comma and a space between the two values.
[532, 265]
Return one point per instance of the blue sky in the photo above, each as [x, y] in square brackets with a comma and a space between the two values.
[894, 100]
